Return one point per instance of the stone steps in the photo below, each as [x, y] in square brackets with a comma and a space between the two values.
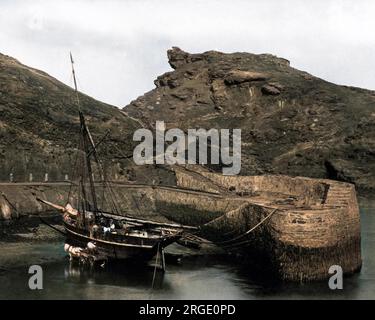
[338, 195]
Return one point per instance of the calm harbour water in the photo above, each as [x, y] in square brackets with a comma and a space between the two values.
[195, 278]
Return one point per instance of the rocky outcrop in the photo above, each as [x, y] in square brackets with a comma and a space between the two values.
[270, 89]
[239, 76]
[292, 122]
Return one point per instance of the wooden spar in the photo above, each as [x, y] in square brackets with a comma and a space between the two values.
[97, 160]
[83, 190]
[81, 182]
[86, 141]
[68, 207]
[162, 224]
[74, 79]
[124, 218]
[56, 206]
[86, 135]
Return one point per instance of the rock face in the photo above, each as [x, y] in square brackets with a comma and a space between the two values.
[292, 122]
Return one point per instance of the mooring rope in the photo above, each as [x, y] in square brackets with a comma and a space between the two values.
[247, 232]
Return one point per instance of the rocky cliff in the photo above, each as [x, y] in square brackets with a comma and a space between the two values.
[292, 122]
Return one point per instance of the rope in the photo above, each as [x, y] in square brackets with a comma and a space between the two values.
[51, 226]
[249, 231]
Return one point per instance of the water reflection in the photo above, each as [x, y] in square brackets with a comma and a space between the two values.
[118, 274]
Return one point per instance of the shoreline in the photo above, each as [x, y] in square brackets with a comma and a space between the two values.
[29, 228]
[26, 240]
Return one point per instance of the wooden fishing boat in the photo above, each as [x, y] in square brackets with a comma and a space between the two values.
[117, 237]
[113, 235]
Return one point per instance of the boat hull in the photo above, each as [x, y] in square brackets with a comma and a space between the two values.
[134, 248]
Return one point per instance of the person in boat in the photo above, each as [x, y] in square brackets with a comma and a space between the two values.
[108, 228]
[94, 231]
[112, 225]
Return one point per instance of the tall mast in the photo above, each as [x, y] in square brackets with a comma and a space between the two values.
[86, 142]
[75, 81]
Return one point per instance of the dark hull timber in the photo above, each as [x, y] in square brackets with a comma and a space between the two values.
[129, 247]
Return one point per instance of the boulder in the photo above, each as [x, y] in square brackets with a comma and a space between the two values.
[239, 76]
[270, 90]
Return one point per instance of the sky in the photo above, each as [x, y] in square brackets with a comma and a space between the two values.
[120, 46]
